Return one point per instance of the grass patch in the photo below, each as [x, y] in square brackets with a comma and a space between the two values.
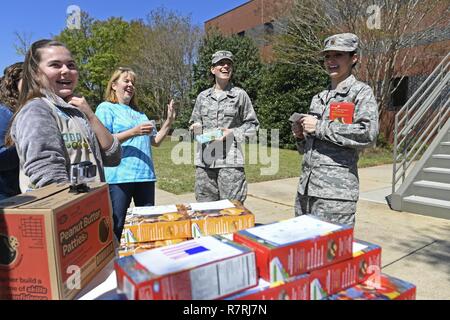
[179, 178]
[374, 157]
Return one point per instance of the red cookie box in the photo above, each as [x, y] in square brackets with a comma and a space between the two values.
[329, 280]
[296, 288]
[295, 246]
[206, 268]
[383, 288]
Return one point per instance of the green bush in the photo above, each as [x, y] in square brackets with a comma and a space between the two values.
[383, 143]
[286, 89]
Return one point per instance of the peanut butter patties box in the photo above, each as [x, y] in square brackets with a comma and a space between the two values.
[292, 247]
[52, 242]
[205, 268]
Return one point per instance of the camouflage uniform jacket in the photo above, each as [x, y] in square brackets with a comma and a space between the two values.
[233, 110]
[331, 153]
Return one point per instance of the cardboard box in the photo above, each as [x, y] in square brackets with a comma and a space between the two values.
[206, 268]
[52, 242]
[388, 288]
[128, 249]
[296, 288]
[329, 280]
[155, 227]
[295, 246]
[228, 219]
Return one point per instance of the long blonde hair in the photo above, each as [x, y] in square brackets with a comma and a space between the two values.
[110, 93]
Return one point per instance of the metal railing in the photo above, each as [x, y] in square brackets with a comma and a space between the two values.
[420, 119]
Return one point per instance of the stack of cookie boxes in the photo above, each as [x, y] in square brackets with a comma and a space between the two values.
[152, 227]
[205, 268]
[305, 258]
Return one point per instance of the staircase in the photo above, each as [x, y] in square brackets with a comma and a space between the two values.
[421, 168]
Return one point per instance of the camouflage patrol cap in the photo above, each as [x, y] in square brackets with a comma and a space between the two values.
[347, 42]
[220, 55]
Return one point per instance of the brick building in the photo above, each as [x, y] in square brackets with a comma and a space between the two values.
[256, 19]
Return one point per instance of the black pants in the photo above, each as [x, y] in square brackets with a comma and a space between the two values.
[142, 193]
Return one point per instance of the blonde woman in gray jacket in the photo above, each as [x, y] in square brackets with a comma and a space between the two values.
[53, 129]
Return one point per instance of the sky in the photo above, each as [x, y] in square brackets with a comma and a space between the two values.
[45, 18]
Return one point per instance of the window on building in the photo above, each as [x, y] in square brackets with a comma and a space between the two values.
[268, 28]
[241, 34]
[400, 95]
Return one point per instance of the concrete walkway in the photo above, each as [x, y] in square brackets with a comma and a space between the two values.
[415, 248]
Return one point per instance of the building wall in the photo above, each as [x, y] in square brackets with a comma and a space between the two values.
[254, 19]
[249, 15]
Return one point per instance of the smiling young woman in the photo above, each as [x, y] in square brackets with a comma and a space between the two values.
[328, 186]
[227, 109]
[52, 128]
[339, 65]
[58, 71]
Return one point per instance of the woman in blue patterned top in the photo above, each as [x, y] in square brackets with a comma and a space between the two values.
[135, 177]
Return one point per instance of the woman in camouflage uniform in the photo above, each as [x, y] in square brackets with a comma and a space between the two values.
[329, 183]
[226, 111]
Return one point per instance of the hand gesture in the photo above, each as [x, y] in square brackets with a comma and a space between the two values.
[81, 103]
[171, 112]
[309, 124]
[225, 133]
[196, 128]
[143, 128]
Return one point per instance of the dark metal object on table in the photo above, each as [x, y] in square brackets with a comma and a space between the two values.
[80, 174]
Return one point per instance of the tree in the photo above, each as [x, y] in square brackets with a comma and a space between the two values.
[23, 42]
[96, 48]
[291, 80]
[286, 89]
[162, 51]
[387, 30]
[247, 66]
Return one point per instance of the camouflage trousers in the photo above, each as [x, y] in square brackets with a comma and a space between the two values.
[220, 183]
[331, 210]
